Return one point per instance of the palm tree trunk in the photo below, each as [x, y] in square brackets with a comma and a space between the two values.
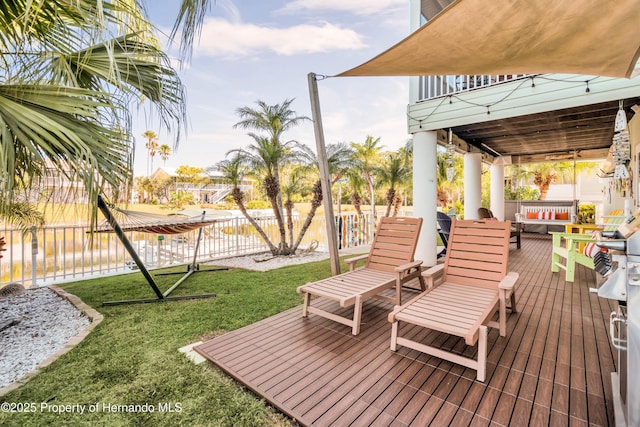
[271, 186]
[391, 193]
[289, 208]
[316, 202]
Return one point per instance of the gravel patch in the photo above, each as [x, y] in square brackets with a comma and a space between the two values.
[266, 261]
[45, 322]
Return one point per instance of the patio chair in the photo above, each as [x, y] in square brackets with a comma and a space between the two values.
[569, 249]
[444, 228]
[516, 228]
[389, 265]
[473, 287]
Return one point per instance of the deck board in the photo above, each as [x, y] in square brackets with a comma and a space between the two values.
[552, 368]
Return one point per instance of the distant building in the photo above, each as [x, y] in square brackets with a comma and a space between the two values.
[211, 187]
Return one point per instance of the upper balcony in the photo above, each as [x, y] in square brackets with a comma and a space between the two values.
[431, 87]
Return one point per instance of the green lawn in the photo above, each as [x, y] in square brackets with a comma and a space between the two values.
[131, 358]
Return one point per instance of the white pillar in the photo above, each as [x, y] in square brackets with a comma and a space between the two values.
[497, 190]
[472, 185]
[424, 194]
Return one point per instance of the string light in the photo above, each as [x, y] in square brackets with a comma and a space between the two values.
[504, 98]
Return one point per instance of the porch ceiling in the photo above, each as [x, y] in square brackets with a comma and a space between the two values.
[552, 135]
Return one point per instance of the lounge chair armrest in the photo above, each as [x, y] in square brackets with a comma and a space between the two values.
[508, 281]
[352, 261]
[408, 266]
[433, 274]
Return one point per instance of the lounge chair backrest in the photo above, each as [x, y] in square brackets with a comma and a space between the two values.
[394, 243]
[477, 253]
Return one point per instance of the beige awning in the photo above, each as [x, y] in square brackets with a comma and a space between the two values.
[591, 37]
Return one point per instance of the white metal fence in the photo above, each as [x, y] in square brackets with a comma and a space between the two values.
[62, 253]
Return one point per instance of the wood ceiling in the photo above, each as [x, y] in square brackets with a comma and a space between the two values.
[586, 130]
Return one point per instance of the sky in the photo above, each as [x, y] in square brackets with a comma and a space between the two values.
[264, 50]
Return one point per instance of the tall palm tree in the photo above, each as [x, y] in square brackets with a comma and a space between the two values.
[150, 145]
[393, 172]
[165, 151]
[70, 73]
[270, 151]
[366, 155]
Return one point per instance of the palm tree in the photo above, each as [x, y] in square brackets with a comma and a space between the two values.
[270, 151]
[367, 156]
[356, 184]
[234, 171]
[70, 73]
[542, 175]
[393, 172]
[339, 163]
[151, 145]
[165, 151]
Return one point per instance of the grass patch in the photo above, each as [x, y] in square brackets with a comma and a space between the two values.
[131, 358]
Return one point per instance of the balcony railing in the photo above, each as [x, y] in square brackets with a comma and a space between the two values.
[431, 87]
[62, 253]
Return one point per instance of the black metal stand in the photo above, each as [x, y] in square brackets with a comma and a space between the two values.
[193, 267]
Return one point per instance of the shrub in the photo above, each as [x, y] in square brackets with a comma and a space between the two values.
[587, 213]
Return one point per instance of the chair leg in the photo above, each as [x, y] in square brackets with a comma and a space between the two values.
[513, 302]
[518, 245]
[394, 336]
[305, 304]
[357, 315]
[482, 353]
[502, 314]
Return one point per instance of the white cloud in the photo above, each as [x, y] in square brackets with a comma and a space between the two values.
[223, 38]
[358, 7]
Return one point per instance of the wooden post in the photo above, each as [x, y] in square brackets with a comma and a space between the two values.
[325, 176]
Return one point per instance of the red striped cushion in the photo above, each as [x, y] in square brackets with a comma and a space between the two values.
[547, 215]
[591, 249]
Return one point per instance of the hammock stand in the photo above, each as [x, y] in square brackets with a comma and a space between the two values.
[156, 228]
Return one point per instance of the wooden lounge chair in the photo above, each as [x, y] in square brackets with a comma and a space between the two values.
[389, 264]
[485, 213]
[474, 286]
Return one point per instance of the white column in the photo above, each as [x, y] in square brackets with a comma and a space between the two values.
[497, 190]
[472, 186]
[424, 194]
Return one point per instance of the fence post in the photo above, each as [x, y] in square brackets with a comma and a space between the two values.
[237, 233]
[34, 255]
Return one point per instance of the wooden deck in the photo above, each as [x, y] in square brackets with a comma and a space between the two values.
[552, 368]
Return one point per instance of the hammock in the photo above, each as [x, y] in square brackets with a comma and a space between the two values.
[159, 225]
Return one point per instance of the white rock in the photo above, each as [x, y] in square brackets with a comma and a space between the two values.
[47, 323]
